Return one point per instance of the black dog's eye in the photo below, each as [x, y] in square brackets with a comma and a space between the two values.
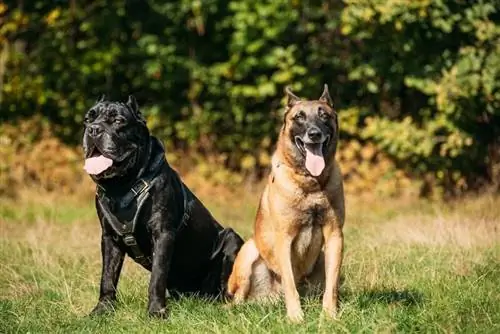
[119, 120]
[300, 116]
[90, 116]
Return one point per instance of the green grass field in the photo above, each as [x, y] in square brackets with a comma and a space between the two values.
[409, 267]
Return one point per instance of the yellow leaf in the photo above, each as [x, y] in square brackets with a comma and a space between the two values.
[3, 8]
[53, 16]
[398, 25]
[346, 29]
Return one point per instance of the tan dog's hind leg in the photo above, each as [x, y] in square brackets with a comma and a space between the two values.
[334, 243]
[292, 299]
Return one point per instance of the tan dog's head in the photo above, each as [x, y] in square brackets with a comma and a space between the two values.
[309, 135]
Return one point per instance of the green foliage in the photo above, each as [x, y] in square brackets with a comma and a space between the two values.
[420, 79]
[430, 70]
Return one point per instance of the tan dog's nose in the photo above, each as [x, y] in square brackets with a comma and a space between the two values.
[314, 133]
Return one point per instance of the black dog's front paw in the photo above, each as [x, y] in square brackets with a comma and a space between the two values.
[102, 307]
[157, 311]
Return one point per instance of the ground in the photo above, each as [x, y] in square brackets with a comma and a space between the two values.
[415, 266]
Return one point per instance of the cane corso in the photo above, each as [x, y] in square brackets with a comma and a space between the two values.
[298, 229]
[147, 212]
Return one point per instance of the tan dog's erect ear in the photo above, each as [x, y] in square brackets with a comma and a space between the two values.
[325, 97]
[292, 98]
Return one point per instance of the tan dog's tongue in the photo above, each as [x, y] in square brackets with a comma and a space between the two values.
[315, 163]
[97, 165]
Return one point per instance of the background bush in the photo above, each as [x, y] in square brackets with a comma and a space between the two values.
[416, 83]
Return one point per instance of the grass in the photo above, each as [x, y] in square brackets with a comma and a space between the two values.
[409, 267]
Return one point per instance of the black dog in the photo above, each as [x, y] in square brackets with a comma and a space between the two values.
[148, 213]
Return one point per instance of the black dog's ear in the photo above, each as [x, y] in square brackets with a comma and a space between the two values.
[134, 106]
[292, 98]
[101, 98]
[132, 103]
[325, 96]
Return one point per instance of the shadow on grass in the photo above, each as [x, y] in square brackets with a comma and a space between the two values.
[390, 297]
[368, 298]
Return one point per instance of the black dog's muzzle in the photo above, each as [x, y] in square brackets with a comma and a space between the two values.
[95, 130]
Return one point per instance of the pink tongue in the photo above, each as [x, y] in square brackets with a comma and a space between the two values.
[315, 163]
[97, 165]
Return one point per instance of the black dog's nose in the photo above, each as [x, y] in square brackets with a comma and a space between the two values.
[95, 130]
[314, 133]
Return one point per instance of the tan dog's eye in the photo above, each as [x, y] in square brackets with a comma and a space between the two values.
[324, 115]
[300, 116]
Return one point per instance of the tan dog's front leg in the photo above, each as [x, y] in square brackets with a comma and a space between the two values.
[334, 243]
[292, 299]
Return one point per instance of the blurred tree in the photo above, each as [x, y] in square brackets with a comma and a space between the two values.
[431, 73]
[419, 79]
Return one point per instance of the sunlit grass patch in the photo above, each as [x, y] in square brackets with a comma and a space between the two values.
[421, 267]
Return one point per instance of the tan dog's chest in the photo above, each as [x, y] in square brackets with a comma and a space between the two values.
[309, 218]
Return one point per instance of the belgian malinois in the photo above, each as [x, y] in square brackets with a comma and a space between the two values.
[298, 228]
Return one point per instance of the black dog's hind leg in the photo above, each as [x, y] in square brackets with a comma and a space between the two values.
[162, 255]
[112, 261]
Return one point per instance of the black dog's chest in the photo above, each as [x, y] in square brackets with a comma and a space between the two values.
[125, 215]
[124, 219]
[131, 216]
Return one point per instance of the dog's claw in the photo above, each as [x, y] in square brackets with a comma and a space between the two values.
[331, 311]
[101, 308]
[296, 316]
[161, 313]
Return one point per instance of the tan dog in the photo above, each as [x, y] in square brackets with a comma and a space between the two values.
[301, 212]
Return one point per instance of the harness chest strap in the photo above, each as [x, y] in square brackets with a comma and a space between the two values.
[139, 193]
[125, 230]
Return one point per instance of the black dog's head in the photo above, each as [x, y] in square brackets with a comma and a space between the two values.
[310, 131]
[115, 139]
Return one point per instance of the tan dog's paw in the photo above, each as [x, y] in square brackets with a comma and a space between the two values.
[330, 306]
[331, 311]
[295, 315]
[229, 305]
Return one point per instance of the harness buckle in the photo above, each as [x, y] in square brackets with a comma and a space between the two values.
[145, 185]
[129, 240]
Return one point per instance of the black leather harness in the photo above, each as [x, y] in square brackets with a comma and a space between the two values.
[122, 211]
